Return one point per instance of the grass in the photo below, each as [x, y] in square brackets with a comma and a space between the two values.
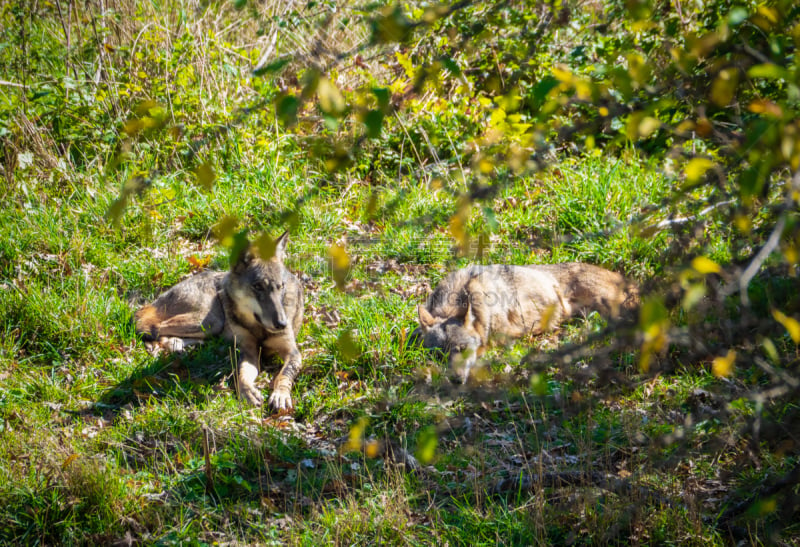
[126, 434]
[101, 442]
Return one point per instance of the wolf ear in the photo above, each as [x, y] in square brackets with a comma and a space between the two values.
[469, 318]
[243, 259]
[426, 320]
[280, 246]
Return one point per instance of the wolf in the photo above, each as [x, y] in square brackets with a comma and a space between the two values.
[477, 304]
[257, 305]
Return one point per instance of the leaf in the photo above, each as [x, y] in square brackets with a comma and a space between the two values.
[451, 65]
[270, 68]
[790, 323]
[427, 441]
[266, 246]
[286, 108]
[340, 264]
[205, 176]
[693, 295]
[348, 347]
[355, 439]
[198, 263]
[654, 323]
[705, 265]
[372, 449]
[373, 121]
[391, 26]
[383, 95]
[331, 100]
[696, 169]
[764, 106]
[768, 71]
[722, 367]
[71, 458]
[723, 88]
[223, 229]
[737, 16]
[647, 126]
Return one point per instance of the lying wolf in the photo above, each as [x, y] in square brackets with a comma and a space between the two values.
[258, 306]
[477, 304]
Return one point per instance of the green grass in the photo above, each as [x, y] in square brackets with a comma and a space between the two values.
[99, 440]
[76, 380]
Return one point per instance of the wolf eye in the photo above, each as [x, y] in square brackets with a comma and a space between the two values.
[259, 287]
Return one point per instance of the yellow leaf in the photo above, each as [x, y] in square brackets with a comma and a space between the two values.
[764, 106]
[331, 100]
[198, 263]
[355, 439]
[223, 230]
[562, 73]
[347, 346]
[647, 126]
[547, 317]
[693, 295]
[372, 449]
[704, 265]
[790, 323]
[696, 168]
[205, 175]
[722, 367]
[723, 88]
[340, 263]
[69, 460]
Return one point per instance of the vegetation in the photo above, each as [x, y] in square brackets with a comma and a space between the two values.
[398, 142]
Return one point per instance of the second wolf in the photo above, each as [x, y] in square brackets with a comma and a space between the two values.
[258, 306]
[476, 304]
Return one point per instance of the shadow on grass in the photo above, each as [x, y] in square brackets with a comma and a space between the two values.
[180, 376]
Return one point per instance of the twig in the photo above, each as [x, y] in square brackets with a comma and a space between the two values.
[758, 261]
[653, 228]
[13, 84]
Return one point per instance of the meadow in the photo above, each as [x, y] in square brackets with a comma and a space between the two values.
[565, 438]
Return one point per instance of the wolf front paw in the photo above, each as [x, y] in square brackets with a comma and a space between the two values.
[281, 399]
[251, 394]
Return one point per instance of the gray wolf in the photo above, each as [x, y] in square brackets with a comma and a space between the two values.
[257, 305]
[477, 304]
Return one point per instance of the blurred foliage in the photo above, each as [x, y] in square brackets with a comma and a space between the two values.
[462, 97]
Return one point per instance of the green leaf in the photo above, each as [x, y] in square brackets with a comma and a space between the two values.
[286, 108]
[769, 71]
[272, 67]
[542, 88]
[384, 96]
[427, 441]
[373, 121]
[451, 65]
[737, 16]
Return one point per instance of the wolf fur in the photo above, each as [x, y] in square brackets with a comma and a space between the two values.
[257, 305]
[477, 304]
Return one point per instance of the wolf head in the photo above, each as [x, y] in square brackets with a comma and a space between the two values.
[454, 337]
[257, 287]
